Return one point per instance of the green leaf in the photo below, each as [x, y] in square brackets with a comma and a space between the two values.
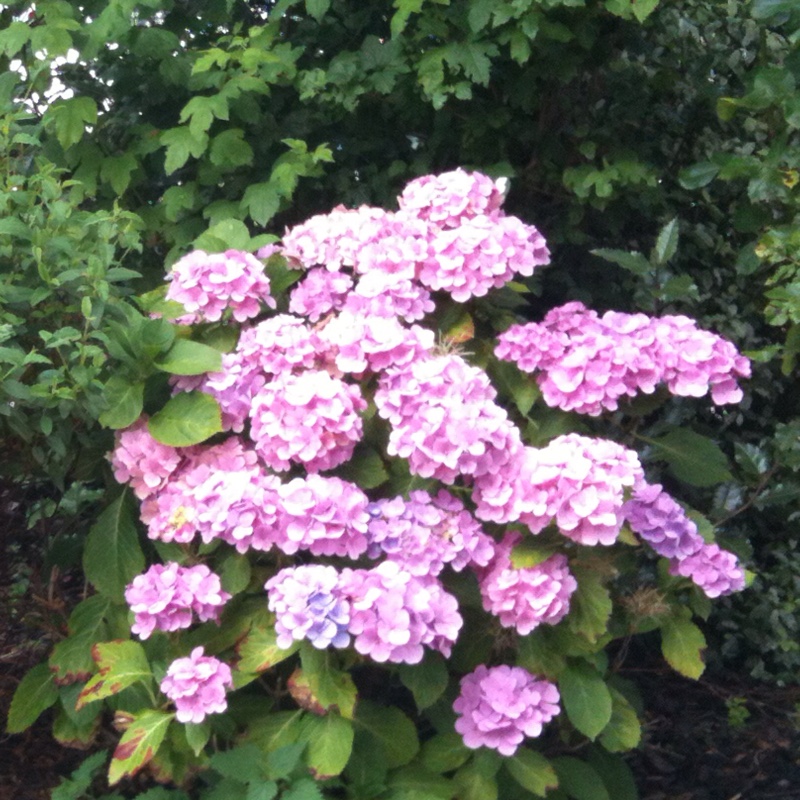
[235, 573]
[331, 687]
[112, 556]
[579, 780]
[245, 763]
[405, 8]
[261, 201]
[125, 400]
[120, 664]
[228, 234]
[616, 774]
[230, 150]
[317, 8]
[691, 457]
[590, 605]
[81, 779]
[138, 744]
[623, 731]
[427, 680]
[532, 771]
[444, 752]
[117, 170]
[259, 650]
[304, 789]
[35, 693]
[186, 357]
[698, 175]
[71, 117]
[188, 418]
[392, 728]
[181, 143]
[330, 742]
[765, 9]
[415, 783]
[586, 698]
[683, 645]
[667, 242]
[366, 468]
[475, 783]
[71, 659]
[633, 262]
[197, 735]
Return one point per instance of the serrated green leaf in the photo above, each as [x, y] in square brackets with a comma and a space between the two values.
[586, 698]
[112, 556]
[444, 752]
[120, 664]
[261, 201]
[332, 688]
[579, 780]
[427, 680]
[317, 8]
[230, 150]
[35, 693]
[691, 457]
[186, 357]
[188, 418]
[365, 468]
[229, 234]
[683, 645]
[474, 783]
[138, 744]
[624, 730]
[259, 650]
[330, 742]
[590, 605]
[181, 143]
[633, 262]
[393, 730]
[71, 659]
[698, 175]
[667, 242]
[616, 774]
[117, 171]
[71, 116]
[125, 400]
[532, 771]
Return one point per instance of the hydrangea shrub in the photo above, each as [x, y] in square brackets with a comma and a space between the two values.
[363, 545]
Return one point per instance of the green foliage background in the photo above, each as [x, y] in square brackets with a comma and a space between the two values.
[655, 144]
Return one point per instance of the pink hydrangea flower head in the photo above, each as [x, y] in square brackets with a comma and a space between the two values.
[282, 344]
[364, 343]
[662, 523]
[141, 461]
[586, 363]
[499, 706]
[311, 419]
[386, 294]
[197, 684]
[715, 571]
[207, 284]
[424, 533]
[444, 419]
[526, 597]
[580, 484]
[451, 197]
[319, 293]
[333, 240]
[308, 605]
[167, 596]
[326, 516]
[394, 615]
[480, 254]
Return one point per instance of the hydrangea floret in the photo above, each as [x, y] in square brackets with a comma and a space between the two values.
[197, 685]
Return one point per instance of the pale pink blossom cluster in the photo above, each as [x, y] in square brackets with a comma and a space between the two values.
[450, 235]
[425, 533]
[715, 571]
[311, 418]
[578, 483]
[197, 685]
[207, 284]
[308, 604]
[168, 597]
[326, 516]
[665, 526]
[499, 706]
[444, 419]
[395, 615]
[524, 598]
[586, 363]
[139, 460]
